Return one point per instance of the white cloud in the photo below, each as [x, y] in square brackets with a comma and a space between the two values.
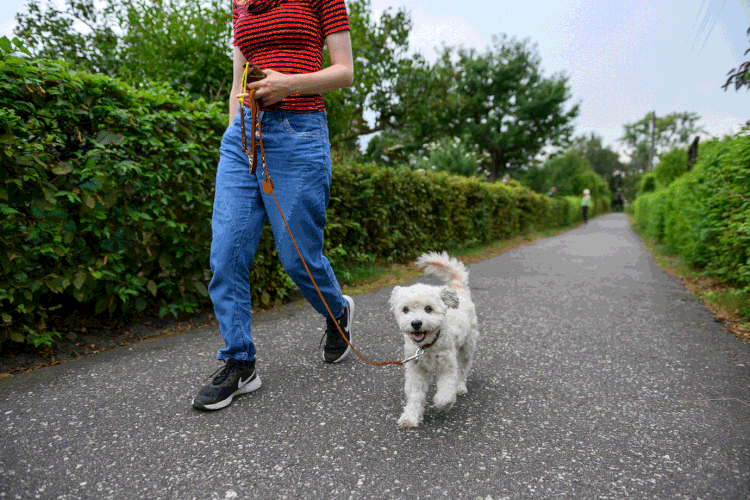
[6, 28]
[624, 58]
[430, 33]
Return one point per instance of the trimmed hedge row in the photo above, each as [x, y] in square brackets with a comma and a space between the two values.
[704, 216]
[393, 215]
[103, 194]
[105, 198]
[106, 194]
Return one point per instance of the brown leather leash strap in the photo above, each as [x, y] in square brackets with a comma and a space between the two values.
[255, 133]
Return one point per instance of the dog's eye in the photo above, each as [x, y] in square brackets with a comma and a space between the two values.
[428, 309]
[406, 310]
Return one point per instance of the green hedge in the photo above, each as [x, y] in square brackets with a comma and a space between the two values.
[106, 194]
[704, 216]
[104, 198]
[393, 215]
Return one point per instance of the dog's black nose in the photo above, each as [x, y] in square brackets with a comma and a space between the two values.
[416, 324]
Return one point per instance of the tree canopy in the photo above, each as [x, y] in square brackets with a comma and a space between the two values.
[603, 160]
[384, 74]
[182, 43]
[569, 172]
[502, 100]
[670, 131]
[497, 103]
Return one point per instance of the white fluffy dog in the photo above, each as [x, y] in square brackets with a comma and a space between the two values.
[442, 321]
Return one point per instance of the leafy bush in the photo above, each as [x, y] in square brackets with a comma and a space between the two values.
[704, 216]
[394, 214]
[671, 166]
[454, 156]
[106, 196]
[649, 184]
[570, 173]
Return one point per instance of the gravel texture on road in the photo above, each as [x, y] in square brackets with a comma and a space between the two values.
[598, 376]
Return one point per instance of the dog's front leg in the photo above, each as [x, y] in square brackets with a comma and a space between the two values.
[447, 381]
[417, 382]
[465, 357]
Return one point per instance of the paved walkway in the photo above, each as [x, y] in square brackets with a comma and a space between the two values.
[599, 376]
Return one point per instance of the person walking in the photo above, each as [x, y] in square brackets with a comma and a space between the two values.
[585, 205]
[284, 39]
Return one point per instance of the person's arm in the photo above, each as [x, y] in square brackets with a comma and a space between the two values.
[276, 86]
[238, 67]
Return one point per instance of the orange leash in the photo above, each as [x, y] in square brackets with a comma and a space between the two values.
[255, 134]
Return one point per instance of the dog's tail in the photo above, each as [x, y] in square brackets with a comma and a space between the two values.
[449, 269]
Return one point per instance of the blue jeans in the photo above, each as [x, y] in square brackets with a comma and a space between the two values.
[299, 163]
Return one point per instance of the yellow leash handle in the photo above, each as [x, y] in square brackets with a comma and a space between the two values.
[254, 74]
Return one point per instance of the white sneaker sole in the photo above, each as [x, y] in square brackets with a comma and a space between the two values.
[251, 386]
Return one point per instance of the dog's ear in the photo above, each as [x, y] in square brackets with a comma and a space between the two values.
[450, 297]
[394, 295]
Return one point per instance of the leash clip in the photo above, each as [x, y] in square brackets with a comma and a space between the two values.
[416, 356]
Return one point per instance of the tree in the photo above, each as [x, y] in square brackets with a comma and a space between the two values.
[739, 76]
[182, 43]
[452, 155]
[569, 172]
[187, 45]
[603, 160]
[501, 100]
[391, 147]
[79, 33]
[389, 84]
[670, 131]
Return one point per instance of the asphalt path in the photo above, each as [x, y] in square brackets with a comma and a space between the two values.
[597, 376]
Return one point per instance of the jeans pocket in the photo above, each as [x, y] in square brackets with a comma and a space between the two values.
[303, 125]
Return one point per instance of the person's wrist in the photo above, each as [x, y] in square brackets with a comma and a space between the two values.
[292, 85]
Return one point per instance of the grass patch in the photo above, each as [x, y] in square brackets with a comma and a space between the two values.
[369, 278]
[728, 303]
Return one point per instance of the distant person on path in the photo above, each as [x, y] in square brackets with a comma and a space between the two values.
[585, 205]
[552, 191]
[285, 41]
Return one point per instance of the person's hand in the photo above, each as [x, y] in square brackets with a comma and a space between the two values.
[273, 88]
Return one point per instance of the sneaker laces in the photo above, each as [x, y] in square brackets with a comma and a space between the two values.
[225, 369]
[320, 344]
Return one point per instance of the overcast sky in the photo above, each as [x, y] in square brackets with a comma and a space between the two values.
[624, 58]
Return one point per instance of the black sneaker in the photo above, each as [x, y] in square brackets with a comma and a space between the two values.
[234, 378]
[336, 348]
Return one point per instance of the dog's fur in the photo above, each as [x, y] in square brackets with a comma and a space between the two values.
[428, 309]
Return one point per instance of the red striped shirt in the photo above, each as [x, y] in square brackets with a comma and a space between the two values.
[289, 38]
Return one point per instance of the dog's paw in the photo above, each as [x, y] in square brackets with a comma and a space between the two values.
[462, 390]
[408, 421]
[444, 402]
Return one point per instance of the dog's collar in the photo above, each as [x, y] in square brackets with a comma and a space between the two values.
[420, 350]
[426, 346]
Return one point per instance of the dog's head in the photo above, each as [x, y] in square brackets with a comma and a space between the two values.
[420, 310]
